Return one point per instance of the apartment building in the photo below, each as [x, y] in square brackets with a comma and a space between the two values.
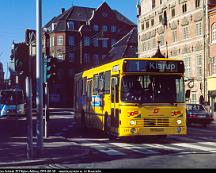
[182, 29]
[212, 58]
[80, 38]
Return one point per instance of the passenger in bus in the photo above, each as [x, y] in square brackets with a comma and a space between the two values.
[135, 91]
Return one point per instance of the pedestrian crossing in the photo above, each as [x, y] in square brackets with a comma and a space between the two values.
[172, 145]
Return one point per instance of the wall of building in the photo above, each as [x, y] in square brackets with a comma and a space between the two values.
[190, 49]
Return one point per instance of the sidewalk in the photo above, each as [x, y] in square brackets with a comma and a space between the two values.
[13, 152]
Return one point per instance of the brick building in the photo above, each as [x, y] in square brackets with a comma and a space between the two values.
[80, 38]
[182, 27]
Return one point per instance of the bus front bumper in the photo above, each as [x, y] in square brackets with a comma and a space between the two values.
[143, 131]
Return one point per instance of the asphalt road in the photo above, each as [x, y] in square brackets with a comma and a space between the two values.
[197, 149]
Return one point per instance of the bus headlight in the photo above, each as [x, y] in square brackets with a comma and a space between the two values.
[132, 122]
[179, 122]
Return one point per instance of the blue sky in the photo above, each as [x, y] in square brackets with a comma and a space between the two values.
[18, 15]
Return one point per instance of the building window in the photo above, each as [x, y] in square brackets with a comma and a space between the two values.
[184, 8]
[86, 41]
[113, 28]
[147, 24]
[142, 26]
[96, 28]
[185, 33]
[160, 18]
[197, 3]
[70, 25]
[52, 42]
[96, 59]
[86, 58]
[60, 40]
[105, 28]
[214, 33]
[104, 43]
[161, 39]
[71, 57]
[187, 62]
[152, 22]
[161, 1]
[71, 40]
[153, 4]
[95, 42]
[153, 42]
[173, 12]
[174, 35]
[193, 97]
[214, 65]
[198, 28]
[113, 41]
[199, 65]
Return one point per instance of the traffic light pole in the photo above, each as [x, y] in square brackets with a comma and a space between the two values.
[29, 117]
[39, 77]
[46, 111]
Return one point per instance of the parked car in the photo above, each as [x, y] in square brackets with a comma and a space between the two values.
[197, 113]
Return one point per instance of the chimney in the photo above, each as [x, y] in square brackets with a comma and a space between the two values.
[63, 10]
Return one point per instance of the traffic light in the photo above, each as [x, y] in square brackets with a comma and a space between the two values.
[51, 73]
[20, 54]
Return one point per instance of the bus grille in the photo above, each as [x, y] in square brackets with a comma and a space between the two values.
[156, 122]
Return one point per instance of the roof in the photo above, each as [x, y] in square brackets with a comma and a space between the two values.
[126, 47]
[77, 13]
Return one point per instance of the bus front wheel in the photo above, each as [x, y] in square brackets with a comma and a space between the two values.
[107, 127]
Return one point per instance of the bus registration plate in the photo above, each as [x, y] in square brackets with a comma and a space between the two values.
[156, 129]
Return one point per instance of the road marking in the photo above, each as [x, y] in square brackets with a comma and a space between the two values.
[134, 148]
[104, 149]
[194, 146]
[208, 143]
[159, 146]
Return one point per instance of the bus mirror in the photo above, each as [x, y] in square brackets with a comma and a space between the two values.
[187, 94]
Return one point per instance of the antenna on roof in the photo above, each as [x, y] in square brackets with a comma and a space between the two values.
[72, 3]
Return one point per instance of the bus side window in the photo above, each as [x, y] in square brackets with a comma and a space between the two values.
[101, 82]
[114, 90]
[84, 81]
[107, 82]
[89, 90]
[95, 84]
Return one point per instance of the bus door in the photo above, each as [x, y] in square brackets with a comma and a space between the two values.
[114, 102]
[88, 101]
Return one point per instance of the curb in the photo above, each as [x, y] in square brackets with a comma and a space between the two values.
[43, 161]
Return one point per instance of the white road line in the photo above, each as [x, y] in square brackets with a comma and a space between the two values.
[134, 148]
[104, 149]
[159, 146]
[194, 146]
[208, 143]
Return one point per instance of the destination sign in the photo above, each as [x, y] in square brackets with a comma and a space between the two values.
[153, 66]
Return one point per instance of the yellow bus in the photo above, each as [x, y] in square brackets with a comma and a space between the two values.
[132, 97]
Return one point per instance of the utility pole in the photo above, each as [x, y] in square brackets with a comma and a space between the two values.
[39, 77]
[29, 117]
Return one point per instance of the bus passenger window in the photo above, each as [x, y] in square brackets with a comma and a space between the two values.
[107, 82]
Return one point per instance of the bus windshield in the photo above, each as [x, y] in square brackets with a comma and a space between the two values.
[12, 97]
[152, 89]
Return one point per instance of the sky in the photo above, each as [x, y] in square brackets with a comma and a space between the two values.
[18, 15]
